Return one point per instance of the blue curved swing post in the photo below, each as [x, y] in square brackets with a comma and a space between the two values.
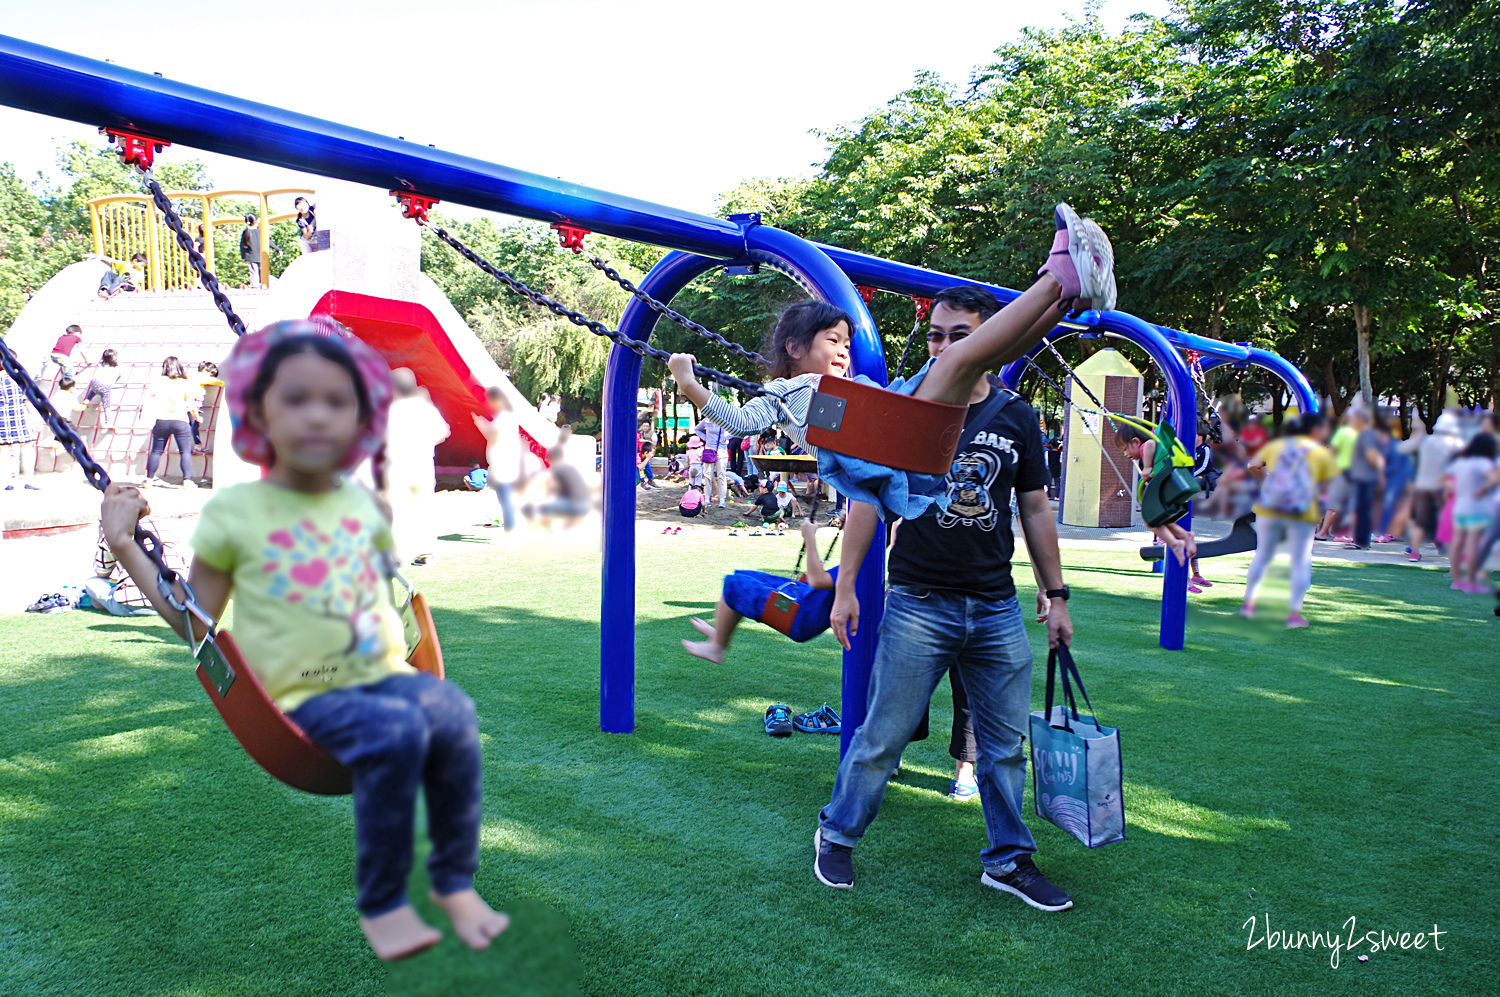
[64, 85]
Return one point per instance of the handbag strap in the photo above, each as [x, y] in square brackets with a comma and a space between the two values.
[998, 399]
[1067, 666]
[1052, 670]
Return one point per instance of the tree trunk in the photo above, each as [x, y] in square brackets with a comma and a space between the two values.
[1362, 340]
[1425, 412]
[1338, 394]
[1493, 401]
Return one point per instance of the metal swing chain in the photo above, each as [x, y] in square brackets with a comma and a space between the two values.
[661, 308]
[1215, 421]
[910, 340]
[1101, 412]
[148, 541]
[812, 513]
[597, 328]
[195, 258]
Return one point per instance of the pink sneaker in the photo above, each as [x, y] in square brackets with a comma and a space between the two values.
[1476, 588]
[1104, 260]
[1193, 588]
[1247, 611]
[1296, 622]
[1413, 557]
[1079, 262]
[1201, 582]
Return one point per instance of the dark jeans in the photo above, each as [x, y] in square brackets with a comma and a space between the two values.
[398, 734]
[1364, 511]
[961, 743]
[182, 433]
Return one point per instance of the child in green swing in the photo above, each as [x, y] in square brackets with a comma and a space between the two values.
[811, 341]
[302, 550]
[1140, 446]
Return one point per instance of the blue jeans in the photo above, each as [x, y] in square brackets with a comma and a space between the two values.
[1395, 488]
[504, 490]
[923, 633]
[399, 734]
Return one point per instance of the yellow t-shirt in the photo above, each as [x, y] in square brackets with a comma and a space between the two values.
[313, 608]
[1320, 461]
[1343, 442]
[172, 398]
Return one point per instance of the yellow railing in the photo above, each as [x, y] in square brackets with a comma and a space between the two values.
[126, 224]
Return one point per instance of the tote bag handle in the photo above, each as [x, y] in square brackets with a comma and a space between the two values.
[1060, 660]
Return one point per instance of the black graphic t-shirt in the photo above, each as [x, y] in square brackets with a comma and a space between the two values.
[968, 546]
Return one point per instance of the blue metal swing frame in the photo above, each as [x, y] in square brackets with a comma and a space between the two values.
[64, 85]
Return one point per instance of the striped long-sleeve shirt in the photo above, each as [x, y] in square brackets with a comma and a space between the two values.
[761, 413]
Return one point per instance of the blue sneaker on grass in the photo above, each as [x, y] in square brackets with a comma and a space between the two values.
[823, 720]
[779, 720]
[962, 790]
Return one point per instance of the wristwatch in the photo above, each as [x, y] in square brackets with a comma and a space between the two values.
[1061, 593]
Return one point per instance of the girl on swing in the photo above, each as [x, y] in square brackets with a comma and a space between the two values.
[1140, 446]
[745, 594]
[301, 550]
[811, 341]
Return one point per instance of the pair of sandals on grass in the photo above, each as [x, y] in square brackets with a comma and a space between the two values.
[54, 603]
[780, 721]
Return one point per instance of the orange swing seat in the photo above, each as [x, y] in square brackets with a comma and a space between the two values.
[268, 735]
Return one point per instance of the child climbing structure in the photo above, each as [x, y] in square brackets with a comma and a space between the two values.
[368, 278]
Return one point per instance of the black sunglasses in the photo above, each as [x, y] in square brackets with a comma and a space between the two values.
[952, 337]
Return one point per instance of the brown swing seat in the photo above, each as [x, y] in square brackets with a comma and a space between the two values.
[268, 735]
[884, 427]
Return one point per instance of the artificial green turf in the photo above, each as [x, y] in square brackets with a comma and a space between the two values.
[1347, 770]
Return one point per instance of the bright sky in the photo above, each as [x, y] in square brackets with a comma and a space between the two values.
[672, 101]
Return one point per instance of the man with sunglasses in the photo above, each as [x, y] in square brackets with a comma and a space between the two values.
[952, 606]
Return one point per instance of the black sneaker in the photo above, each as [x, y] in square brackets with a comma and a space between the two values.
[834, 863]
[779, 720]
[1027, 882]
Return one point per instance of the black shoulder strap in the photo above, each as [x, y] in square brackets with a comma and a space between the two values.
[998, 399]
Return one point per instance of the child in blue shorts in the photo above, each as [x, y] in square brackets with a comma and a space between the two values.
[745, 595]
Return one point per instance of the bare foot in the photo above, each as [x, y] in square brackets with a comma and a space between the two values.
[705, 649]
[701, 625]
[399, 933]
[1179, 550]
[474, 921]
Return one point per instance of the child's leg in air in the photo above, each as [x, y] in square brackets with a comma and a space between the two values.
[719, 635]
[1171, 542]
[1189, 542]
[1078, 267]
